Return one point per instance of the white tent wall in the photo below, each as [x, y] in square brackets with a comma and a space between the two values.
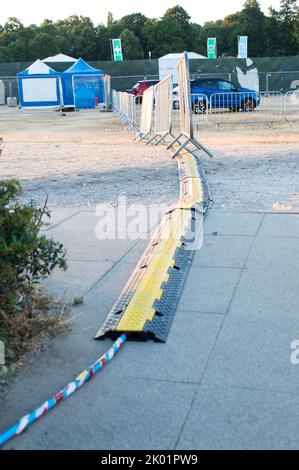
[38, 90]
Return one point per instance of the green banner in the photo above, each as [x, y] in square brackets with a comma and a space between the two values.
[212, 48]
[117, 50]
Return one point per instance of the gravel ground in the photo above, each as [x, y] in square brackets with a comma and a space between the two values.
[86, 158]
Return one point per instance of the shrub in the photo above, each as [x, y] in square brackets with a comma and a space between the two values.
[26, 256]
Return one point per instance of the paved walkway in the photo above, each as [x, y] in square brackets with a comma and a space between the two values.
[224, 379]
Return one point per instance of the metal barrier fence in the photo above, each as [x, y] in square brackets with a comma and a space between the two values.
[218, 109]
[10, 87]
[124, 105]
[146, 120]
[291, 106]
[245, 108]
[107, 91]
[163, 110]
[185, 112]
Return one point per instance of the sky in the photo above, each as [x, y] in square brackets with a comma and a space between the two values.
[35, 11]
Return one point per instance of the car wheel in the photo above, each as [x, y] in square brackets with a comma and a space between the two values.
[248, 105]
[199, 107]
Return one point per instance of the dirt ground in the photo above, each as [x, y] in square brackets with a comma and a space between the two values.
[85, 158]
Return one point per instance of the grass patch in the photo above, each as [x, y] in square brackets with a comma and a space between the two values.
[28, 331]
[78, 301]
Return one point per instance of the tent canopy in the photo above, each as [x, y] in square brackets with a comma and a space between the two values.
[175, 56]
[81, 67]
[59, 58]
[38, 68]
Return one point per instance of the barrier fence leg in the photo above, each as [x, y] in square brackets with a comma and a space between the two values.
[151, 139]
[176, 139]
[178, 151]
[203, 148]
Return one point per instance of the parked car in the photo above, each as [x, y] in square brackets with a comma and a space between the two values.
[141, 86]
[218, 93]
[200, 103]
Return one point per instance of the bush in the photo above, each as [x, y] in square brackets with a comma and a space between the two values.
[26, 257]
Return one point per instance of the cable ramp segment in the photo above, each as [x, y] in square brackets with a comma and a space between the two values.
[146, 306]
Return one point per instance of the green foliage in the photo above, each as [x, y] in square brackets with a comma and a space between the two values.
[43, 45]
[296, 30]
[78, 301]
[131, 45]
[272, 34]
[25, 256]
[284, 27]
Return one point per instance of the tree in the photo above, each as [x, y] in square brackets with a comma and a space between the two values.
[13, 25]
[252, 24]
[131, 45]
[195, 39]
[135, 23]
[85, 43]
[171, 33]
[110, 19]
[103, 42]
[4, 56]
[17, 51]
[285, 23]
[42, 45]
[178, 14]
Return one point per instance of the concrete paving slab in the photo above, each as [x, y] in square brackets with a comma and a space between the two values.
[240, 419]
[105, 292]
[134, 255]
[114, 414]
[78, 278]
[223, 251]
[280, 225]
[89, 221]
[181, 359]
[209, 290]
[85, 246]
[267, 293]
[254, 353]
[232, 223]
[274, 253]
[59, 214]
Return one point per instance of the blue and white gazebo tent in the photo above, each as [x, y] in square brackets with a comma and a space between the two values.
[39, 87]
[82, 86]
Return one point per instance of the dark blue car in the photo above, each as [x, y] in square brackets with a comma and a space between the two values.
[218, 93]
